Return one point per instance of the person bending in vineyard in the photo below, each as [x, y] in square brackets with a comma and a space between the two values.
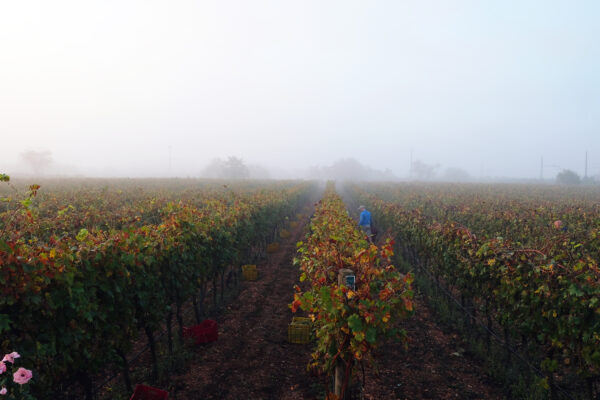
[364, 222]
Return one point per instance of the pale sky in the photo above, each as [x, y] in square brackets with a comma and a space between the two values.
[487, 86]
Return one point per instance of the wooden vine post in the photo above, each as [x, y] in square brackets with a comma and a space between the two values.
[345, 278]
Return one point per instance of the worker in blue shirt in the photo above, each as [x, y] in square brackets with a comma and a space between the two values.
[364, 222]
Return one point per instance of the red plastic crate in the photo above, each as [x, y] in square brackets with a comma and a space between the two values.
[143, 392]
[206, 332]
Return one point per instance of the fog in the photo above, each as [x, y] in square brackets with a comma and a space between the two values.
[464, 89]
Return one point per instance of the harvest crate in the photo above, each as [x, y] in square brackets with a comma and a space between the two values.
[206, 332]
[299, 330]
[272, 247]
[284, 234]
[143, 392]
[249, 272]
[293, 224]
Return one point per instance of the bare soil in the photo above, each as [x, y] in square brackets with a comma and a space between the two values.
[434, 365]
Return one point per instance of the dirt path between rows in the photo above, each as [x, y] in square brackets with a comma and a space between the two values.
[434, 366]
[253, 360]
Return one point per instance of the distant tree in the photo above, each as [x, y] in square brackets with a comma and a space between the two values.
[37, 160]
[456, 175]
[568, 177]
[422, 171]
[214, 169]
[232, 168]
[349, 169]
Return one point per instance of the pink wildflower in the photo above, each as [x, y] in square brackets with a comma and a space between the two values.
[558, 224]
[22, 376]
[11, 357]
[3, 391]
[2, 368]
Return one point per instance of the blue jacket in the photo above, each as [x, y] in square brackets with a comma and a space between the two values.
[365, 218]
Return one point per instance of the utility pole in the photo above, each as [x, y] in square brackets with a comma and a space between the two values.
[410, 171]
[170, 153]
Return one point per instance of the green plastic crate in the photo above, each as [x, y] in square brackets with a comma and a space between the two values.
[299, 330]
[249, 272]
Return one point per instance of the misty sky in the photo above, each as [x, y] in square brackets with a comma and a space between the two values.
[487, 86]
